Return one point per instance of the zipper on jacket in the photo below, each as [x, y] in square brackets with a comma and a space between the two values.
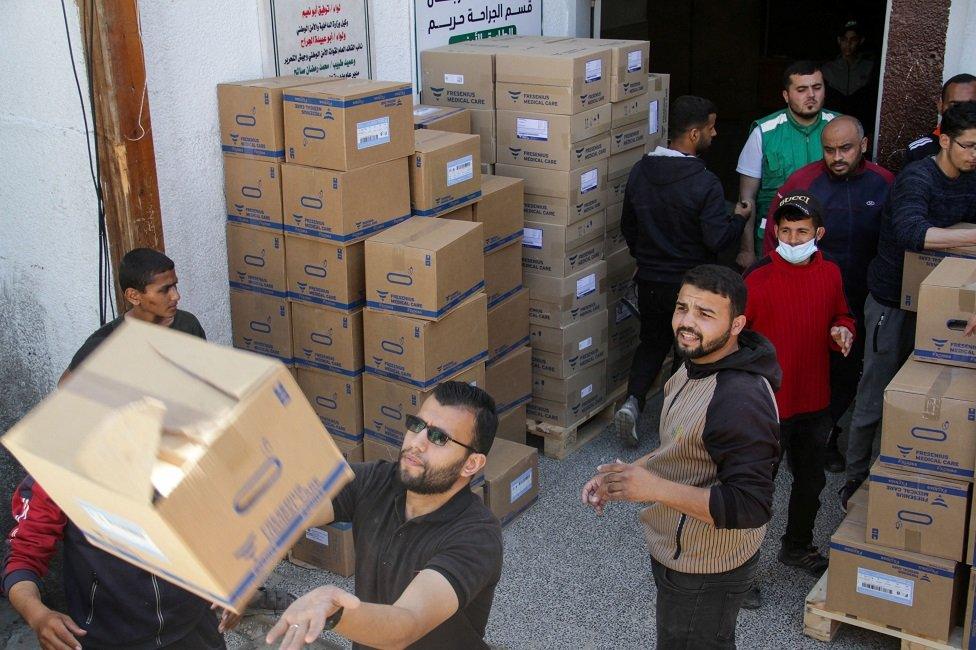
[91, 599]
[877, 328]
[677, 536]
[159, 612]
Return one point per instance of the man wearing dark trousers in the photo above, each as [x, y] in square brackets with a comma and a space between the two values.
[674, 219]
[959, 88]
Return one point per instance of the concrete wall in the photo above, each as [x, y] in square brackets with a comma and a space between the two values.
[960, 52]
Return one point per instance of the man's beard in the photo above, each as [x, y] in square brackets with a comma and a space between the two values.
[804, 113]
[702, 349]
[431, 481]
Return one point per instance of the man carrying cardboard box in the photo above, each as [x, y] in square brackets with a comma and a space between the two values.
[428, 551]
[927, 197]
[709, 485]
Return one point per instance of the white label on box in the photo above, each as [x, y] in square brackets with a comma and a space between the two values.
[420, 111]
[653, 124]
[521, 485]
[586, 391]
[633, 61]
[594, 70]
[585, 343]
[122, 530]
[453, 78]
[532, 237]
[527, 128]
[460, 170]
[372, 132]
[589, 180]
[586, 285]
[318, 535]
[885, 586]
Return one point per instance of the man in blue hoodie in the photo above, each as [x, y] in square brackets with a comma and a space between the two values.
[674, 219]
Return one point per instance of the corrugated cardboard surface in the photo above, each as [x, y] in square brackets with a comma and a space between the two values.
[425, 267]
[442, 118]
[629, 111]
[560, 142]
[423, 353]
[509, 379]
[252, 192]
[657, 126]
[614, 214]
[555, 250]
[500, 210]
[564, 402]
[326, 339]
[329, 547]
[549, 209]
[261, 324]
[583, 70]
[483, 125]
[618, 169]
[508, 325]
[919, 264]
[344, 207]
[511, 479]
[256, 260]
[623, 138]
[628, 66]
[618, 370]
[623, 328]
[556, 302]
[946, 303]
[503, 273]
[511, 425]
[376, 450]
[445, 172]
[337, 401]
[615, 240]
[325, 274]
[348, 123]
[620, 263]
[578, 186]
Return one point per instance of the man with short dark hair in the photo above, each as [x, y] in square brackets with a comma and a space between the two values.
[959, 88]
[428, 551]
[709, 485]
[852, 77]
[778, 145]
[674, 218]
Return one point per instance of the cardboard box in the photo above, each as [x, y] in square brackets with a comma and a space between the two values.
[857, 505]
[503, 273]
[917, 513]
[348, 123]
[344, 207]
[618, 170]
[325, 339]
[445, 172]
[969, 623]
[558, 251]
[618, 370]
[425, 267]
[500, 210]
[487, 168]
[338, 403]
[929, 422]
[387, 403]
[173, 443]
[556, 302]
[624, 138]
[661, 82]
[565, 402]
[509, 379]
[919, 264]
[352, 453]
[252, 192]
[946, 303]
[441, 118]
[621, 265]
[508, 324]
[483, 125]
[461, 214]
[628, 66]
[423, 353]
[915, 593]
[511, 479]
[623, 327]
[326, 274]
[250, 115]
[564, 351]
[657, 116]
[261, 324]
[633, 110]
[615, 241]
[328, 547]
[561, 197]
[511, 425]
[459, 75]
[374, 449]
[559, 78]
[560, 142]
[256, 260]
[615, 213]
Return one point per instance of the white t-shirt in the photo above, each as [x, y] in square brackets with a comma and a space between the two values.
[750, 160]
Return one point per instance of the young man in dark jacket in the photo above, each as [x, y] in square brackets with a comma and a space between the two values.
[674, 219]
[960, 88]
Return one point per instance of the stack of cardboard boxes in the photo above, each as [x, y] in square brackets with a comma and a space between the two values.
[900, 561]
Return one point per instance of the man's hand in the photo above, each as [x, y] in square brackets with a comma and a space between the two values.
[843, 337]
[304, 619]
[627, 482]
[745, 259]
[744, 208]
[228, 619]
[590, 495]
[56, 631]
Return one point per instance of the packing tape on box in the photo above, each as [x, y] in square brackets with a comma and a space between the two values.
[913, 540]
[933, 397]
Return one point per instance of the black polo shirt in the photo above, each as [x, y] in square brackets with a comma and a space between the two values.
[183, 321]
[461, 540]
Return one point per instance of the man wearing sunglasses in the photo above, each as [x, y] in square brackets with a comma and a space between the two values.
[428, 551]
[927, 197]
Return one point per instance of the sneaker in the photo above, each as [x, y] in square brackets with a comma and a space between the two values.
[808, 558]
[753, 599]
[625, 421]
[269, 601]
[834, 461]
[847, 492]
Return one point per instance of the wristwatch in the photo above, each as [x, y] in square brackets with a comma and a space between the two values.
[333, 620]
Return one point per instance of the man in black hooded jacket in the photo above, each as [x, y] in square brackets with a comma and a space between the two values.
[674, 219]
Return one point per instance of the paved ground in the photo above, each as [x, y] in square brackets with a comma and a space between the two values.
[572, 579]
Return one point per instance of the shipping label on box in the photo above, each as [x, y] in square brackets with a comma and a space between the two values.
[561, 352]
[349, 123]
[386, 404]
[556, 302]
[261, 324]
[256, 260]
[508, 325]
[328, 547]
[564, 402]
[424, 353]
[657, 129]
[325, 274]
[509, 379]
[483, 125]
[425, 267]
[946, 303]
[511, 479]
[174, 443]
[623, 326]
[500, 210]
[337, 400]
[584, 72]
[325, 339]
[557, 142]
[445, 172]
[628, 66]
[442, 118]
[503, 273]
[929, 423]
[917, 513]
[344, 207]
[252, 192]
[555, 250]
[511, 425]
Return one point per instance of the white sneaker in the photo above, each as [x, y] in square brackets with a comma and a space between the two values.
[625, 420]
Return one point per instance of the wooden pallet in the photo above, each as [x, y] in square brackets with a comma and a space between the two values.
[560, 442]
[823, 624]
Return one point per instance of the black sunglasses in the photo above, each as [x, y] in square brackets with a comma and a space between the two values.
[436, 435]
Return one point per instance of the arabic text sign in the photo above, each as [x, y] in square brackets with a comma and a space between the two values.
[320, 38]
[440, 22]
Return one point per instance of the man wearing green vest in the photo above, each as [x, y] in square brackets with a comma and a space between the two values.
[778, 145]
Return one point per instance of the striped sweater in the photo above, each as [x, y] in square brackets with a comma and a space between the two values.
[719, 430]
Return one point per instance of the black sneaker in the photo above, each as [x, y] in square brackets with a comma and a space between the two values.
[753, 599]
[847, 492]
[834, 461]
[808, 559]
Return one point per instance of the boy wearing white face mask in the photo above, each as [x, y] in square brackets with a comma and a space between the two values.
[796, 299]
